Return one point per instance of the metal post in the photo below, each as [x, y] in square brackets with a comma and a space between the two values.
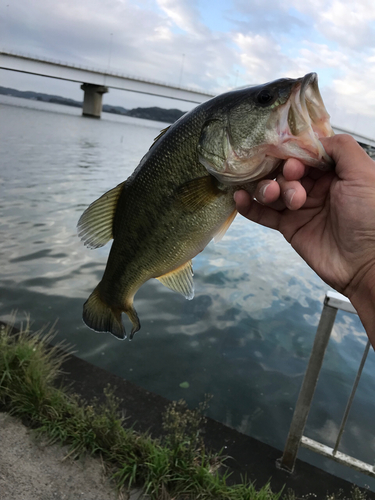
[350, 401]
[306, 394]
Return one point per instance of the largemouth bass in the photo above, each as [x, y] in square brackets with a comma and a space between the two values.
[181, 194]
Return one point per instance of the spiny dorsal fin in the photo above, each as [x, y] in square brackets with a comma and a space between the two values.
[198, 193]
[180, 280]
[96, 222]
[224, 228]
[162, 132]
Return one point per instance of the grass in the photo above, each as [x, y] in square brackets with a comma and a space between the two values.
[175, 467]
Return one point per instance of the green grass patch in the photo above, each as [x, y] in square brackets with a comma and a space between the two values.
[174, 467]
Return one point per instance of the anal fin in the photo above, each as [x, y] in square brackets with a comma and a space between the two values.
[180, 280]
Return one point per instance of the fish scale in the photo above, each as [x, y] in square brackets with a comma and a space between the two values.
[181, 194]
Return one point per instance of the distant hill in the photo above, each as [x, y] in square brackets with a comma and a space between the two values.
[154, 113]
[160, 114]
[37, 96]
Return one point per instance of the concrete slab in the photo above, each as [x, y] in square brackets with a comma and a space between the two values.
[249, 457]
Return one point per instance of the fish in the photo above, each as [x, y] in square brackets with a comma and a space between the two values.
[180, 196]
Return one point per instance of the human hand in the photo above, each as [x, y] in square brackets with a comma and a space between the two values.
[329, 218]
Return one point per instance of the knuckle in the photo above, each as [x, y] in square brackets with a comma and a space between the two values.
[343, 140]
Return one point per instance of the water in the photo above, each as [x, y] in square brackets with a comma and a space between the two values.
[245, 338]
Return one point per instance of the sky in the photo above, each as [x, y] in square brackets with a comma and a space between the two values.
[213, 45]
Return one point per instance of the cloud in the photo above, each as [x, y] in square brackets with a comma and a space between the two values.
[355, 90]
[261, 56]
[146, 42]
[351, 25]
[184, 15]
[271, 17]
[173, 41]
[348, 23]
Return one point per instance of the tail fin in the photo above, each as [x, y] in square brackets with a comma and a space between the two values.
[102, 318]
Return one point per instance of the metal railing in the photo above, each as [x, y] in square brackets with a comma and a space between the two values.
[332, 303]
[101, 71]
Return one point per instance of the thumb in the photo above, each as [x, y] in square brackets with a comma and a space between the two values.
[350, 159]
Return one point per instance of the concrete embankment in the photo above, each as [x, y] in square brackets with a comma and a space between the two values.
[30, 470]
[249, 457]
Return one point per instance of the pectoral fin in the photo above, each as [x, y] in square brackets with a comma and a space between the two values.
[198, 193]
[96, 222]
[180, 280]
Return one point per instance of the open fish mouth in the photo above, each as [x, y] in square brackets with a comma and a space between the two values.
[303, 122]
[288, 120]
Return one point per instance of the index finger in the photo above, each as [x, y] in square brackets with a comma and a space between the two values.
[294, 169]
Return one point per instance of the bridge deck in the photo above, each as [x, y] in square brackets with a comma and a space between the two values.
[75, 73]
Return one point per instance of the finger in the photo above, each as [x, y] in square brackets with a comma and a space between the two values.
[294, 169]
[267, 192]
[292, 192]
[319, 189]
[351, 160]
[308, 183]
[256, 212]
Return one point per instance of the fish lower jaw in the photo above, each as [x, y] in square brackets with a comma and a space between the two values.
[303, 144]
[234, 177]
[310, 153]
[322, 128]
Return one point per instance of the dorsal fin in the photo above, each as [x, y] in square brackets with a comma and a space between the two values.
[180, 280]
[96, 222]
[162, 132]
[224, 228]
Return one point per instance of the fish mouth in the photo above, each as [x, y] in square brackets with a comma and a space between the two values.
[302, 124]
[292, 130]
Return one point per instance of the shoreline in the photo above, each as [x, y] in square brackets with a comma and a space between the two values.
[248, 456]
[143, 410]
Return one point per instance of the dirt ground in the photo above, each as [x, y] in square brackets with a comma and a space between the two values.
[33, 470]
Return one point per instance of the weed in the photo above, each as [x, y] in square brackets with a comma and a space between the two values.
[176, 467]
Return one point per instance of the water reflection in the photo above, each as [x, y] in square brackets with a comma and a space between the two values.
[245, 338]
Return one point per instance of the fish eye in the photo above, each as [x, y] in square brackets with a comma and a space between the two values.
[264, 97]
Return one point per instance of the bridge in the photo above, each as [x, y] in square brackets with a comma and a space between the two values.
[96, 82]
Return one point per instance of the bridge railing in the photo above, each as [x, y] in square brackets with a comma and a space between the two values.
[105, 72]
[332, 303]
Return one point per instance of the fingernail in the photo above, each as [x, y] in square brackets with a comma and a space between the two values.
[263, 190]
[289, 195]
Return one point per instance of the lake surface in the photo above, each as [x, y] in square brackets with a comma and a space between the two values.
[245, 338]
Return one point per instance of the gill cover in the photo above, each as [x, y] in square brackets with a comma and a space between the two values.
[263, 125]
[230, 166]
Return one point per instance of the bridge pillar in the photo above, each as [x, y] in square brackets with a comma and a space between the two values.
[92, 101]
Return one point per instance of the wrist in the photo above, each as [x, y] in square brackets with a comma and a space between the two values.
[361, 294]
